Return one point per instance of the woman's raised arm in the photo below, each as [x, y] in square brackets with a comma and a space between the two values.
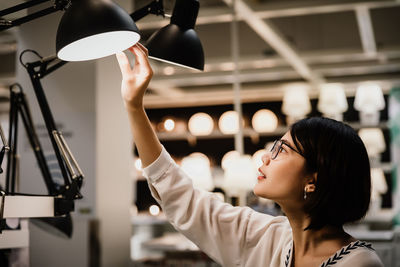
[135, 81]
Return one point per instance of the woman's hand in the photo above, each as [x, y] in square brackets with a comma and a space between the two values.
[135, 80]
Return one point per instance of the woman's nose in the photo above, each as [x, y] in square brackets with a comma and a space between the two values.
[266, 158]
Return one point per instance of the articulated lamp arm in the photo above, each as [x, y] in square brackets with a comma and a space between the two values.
[71, 172]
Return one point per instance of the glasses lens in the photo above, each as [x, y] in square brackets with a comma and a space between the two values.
[275, 149]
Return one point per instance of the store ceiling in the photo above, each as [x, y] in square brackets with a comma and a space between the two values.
[324, 41]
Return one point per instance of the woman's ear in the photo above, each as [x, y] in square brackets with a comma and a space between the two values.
[311, 182]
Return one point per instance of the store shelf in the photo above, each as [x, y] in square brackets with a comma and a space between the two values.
[147, 219]
[249, 132]
[216, 134]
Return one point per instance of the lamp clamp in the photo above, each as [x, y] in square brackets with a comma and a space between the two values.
[156, 7]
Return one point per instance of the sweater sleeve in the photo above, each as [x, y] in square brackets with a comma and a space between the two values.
[217, 228]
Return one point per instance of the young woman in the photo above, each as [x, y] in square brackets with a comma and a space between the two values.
[318, 173]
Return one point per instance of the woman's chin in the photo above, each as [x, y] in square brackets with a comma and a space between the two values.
[259, 192]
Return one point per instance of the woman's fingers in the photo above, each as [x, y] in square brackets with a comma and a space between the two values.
[140, 53]
[144, 49]
[123, 63]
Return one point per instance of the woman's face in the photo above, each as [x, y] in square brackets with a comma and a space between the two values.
[282, 179]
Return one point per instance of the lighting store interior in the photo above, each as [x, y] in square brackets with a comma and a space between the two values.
[230, 77]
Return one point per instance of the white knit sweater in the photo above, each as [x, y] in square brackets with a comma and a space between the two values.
[234, 236]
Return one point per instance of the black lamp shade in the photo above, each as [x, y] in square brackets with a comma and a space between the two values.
[91, 29]
[178, 43]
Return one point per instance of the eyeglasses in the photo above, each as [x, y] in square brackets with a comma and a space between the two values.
[277, 148]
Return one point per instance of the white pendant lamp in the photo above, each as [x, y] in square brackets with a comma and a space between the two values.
[197, 166]
[369, 101]
[332, 101]
[374, 141]
[240, 175]
[296, 103]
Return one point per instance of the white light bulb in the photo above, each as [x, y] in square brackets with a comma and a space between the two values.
[228, 158]
[264, 121]
[154, 210]
[138, 164]
[169, 70]
[169, 125]
[229, 122]
[201, 124]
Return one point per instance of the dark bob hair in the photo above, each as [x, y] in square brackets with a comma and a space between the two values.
[336, 153]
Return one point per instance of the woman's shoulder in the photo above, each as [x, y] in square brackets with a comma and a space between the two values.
[272, 228]
[262, 220]
[356, 254]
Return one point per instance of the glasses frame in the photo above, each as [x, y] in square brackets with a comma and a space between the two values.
[281, 142]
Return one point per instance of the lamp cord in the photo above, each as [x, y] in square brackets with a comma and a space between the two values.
[25, 51]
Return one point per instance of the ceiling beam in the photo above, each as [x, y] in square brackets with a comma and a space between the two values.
[311, 58]
[280, 74]
[224, 15]
[271, 35]
[366, 30]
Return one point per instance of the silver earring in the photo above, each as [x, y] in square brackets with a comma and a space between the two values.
[305, 193]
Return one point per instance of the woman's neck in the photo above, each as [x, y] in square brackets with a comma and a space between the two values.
[316, 243]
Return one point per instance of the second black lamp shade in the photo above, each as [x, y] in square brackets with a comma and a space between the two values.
[178, 43]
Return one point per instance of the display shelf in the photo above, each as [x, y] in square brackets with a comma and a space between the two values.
[171, 242]
[216, 134]
[250, 132]
[144, 218]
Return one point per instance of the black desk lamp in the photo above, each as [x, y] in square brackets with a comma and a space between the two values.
[94, 22]
[63, 203]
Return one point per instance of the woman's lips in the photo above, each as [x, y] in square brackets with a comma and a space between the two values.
[261, 175]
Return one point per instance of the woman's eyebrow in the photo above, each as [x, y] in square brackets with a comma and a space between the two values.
[286, 142]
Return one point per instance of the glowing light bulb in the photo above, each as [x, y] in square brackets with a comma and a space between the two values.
[228, 158]
[138, 164]
[264, 121]
[154, 210]
[169, 125]
[201, 124]
[197, 166]
[229, 122]
[169, 70]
